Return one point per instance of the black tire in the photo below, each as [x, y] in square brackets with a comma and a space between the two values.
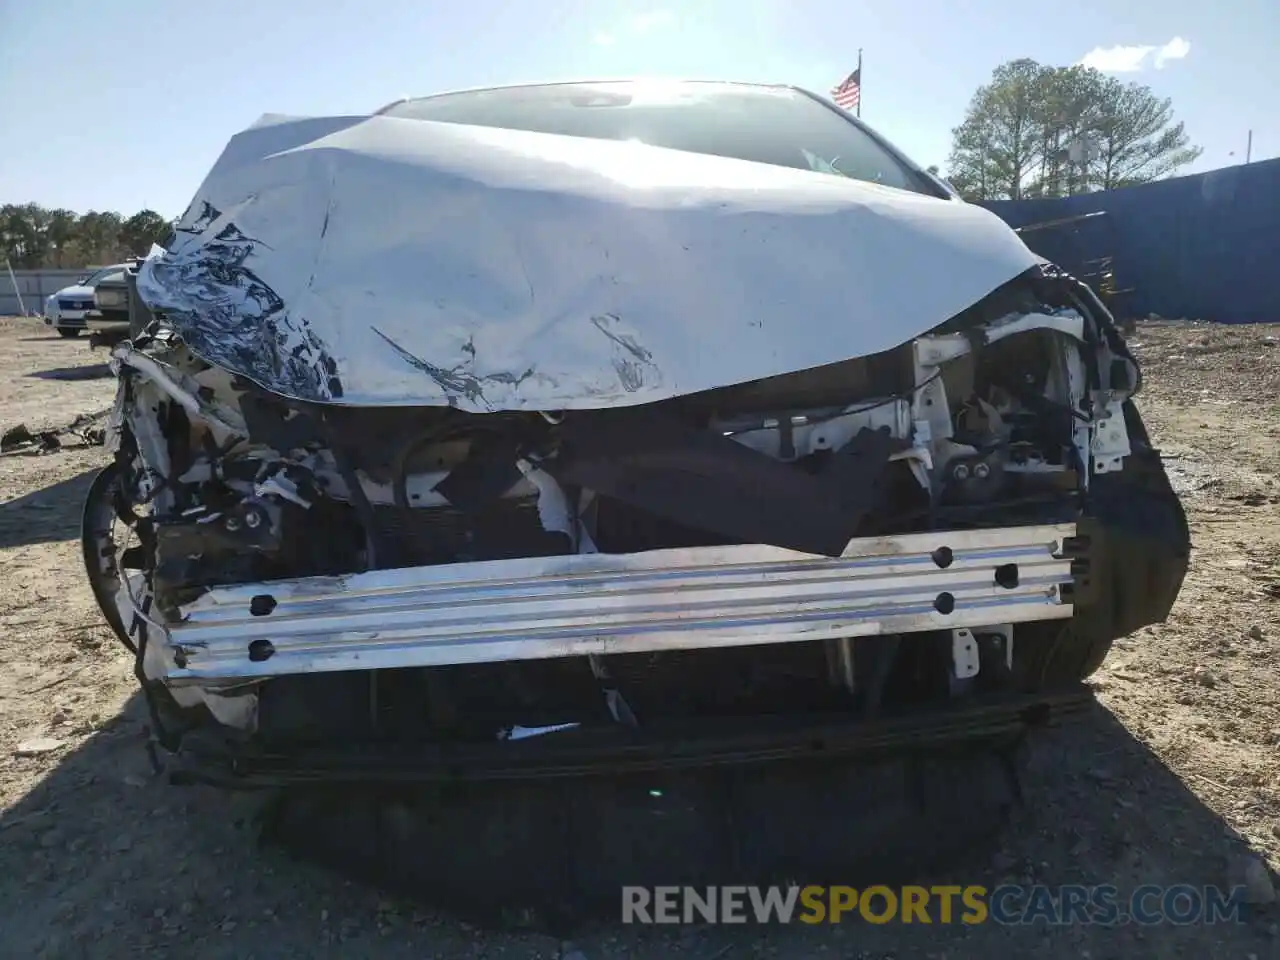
[69, 333]
[1050, 656]
[98, 543]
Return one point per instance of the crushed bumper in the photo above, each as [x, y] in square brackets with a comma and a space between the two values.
[621, 603]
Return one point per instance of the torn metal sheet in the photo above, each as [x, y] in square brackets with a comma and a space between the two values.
[387, 261]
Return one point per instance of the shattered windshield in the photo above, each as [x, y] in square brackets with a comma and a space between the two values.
[775, 125]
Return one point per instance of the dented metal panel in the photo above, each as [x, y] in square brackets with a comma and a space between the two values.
[385, 261]
[607, 604]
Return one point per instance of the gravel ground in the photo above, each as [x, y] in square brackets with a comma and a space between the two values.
[1174, 777]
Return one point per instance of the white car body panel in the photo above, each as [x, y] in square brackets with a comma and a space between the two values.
[53, 313]
[87, 292]
[382, 261]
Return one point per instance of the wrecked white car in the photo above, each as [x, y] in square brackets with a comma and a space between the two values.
[640, 423]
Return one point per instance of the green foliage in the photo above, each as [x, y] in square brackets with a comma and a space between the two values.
[1015, 140]
[143, 229]
[32, 236]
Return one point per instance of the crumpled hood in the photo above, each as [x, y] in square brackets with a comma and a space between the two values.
[384, 261]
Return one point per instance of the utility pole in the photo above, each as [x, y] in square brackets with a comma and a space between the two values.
[1248, 150]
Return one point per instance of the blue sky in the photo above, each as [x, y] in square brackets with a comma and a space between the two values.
[124, 106]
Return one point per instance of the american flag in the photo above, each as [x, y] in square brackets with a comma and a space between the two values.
[847, 93]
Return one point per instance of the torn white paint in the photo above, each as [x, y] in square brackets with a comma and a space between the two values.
[386, 261]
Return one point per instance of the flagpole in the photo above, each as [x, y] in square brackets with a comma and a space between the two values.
[861, 85]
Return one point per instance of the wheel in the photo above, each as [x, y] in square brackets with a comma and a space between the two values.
[69, 333]
[100, 543]
[1055, 655]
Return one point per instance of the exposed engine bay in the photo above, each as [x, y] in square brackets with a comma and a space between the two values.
[888, 533]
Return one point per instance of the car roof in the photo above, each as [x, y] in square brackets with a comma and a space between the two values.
[589, 81]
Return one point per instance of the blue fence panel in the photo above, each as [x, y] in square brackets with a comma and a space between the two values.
[1196, 247]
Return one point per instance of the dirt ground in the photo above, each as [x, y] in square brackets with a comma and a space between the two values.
[1173, 778]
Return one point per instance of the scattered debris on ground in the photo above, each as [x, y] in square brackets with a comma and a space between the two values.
[89, 429]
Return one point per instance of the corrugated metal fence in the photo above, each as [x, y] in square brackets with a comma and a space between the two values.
[34, 285]
[1198, 247]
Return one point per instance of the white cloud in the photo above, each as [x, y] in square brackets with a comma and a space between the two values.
[638, 25]
[1132, 59]
[1175, 49]
[645, 22]
[1116, 59]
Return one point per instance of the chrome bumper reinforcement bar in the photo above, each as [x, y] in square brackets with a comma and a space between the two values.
[562, 606]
